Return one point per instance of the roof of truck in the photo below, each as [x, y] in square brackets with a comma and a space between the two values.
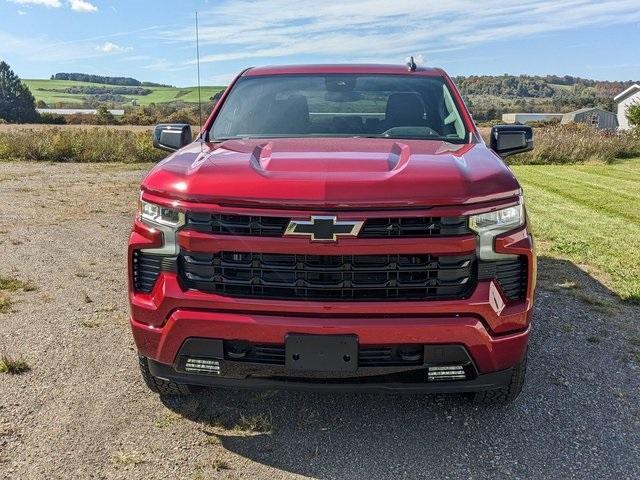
[340, 69]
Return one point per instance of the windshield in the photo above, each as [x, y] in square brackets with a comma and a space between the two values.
[385, 106]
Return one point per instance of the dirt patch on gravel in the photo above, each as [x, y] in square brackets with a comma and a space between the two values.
[82, 410]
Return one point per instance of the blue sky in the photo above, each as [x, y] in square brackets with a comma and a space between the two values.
[154, 39]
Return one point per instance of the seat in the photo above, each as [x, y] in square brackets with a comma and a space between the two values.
[405, 109]
[288, 116]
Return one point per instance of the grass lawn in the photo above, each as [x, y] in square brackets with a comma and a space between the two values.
[52, 91]
[590, 215]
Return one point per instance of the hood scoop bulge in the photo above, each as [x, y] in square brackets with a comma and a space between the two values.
[268, 161]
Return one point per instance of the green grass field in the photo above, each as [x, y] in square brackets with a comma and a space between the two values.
[589, 214]
[52, 92]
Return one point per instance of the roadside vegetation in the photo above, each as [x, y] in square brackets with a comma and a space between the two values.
[91, 144]
[588, 214]
[557, 144]
[579, 143]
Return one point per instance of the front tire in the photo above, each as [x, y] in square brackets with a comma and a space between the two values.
[508, 393]
[157, 385]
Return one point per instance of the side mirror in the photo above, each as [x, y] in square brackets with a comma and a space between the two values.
[511, 139]
[172, 136]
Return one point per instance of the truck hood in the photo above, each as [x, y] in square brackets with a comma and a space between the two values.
[333, 173]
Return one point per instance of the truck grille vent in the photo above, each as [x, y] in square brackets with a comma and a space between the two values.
[147, 268]
[510, 274]
[414, 227]
[329, 277]
[236, 224]
[383, 356]
[260, 226]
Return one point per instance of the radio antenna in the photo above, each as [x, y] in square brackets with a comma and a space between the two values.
[198, 62]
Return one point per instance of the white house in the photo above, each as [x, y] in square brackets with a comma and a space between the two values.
[624, 100]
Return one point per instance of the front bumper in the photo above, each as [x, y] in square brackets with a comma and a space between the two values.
[489, 352]
[214, 362]
[495, 335]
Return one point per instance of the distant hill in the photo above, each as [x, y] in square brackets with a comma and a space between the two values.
[489, 96]
[123, 81]
[76, 94]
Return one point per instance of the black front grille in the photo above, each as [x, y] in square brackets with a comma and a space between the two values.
[261, 226]
[414, 227]
[329, 277]
[510, 274]
[388, 356]
[382, 356]
[236, 224]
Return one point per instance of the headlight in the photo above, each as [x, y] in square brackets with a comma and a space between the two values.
[488, 225]
[160, 215]
[167, 221]
[502, 220]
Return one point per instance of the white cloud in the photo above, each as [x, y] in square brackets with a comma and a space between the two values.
[82, 6]
[76, 5]
[44, 3]
[110, 47]
[379, 30]
[21, 12]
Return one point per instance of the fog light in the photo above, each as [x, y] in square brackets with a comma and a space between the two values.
[202, 365]
[449, 372]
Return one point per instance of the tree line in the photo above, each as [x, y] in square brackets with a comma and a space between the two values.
[488, 96]
[124, 81]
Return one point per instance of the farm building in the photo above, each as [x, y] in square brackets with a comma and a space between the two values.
[596, 117]
[530, 117]
[624, 100]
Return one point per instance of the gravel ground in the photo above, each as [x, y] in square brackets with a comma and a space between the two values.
[83, 412]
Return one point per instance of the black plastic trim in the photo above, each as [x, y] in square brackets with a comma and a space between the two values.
[329, 277]
[146, 269]
[511, 275]
[389, 382]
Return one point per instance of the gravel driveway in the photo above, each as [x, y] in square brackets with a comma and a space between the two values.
[83, 412]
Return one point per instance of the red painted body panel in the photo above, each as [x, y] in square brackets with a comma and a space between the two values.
[353, 178]
[489, 353]
[334, 173]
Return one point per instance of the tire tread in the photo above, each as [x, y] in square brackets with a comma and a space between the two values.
[158, 385]
[508, 393]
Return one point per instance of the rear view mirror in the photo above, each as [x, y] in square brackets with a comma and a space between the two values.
[172, 136]
[511, 139]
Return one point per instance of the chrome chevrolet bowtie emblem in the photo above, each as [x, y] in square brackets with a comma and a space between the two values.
[325, 229]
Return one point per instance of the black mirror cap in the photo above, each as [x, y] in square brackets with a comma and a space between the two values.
[172, 136]
[511, 139]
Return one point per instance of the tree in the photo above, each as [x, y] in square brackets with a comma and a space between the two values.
[633, 114]
[16, 101]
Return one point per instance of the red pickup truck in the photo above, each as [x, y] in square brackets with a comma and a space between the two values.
[334, 227]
